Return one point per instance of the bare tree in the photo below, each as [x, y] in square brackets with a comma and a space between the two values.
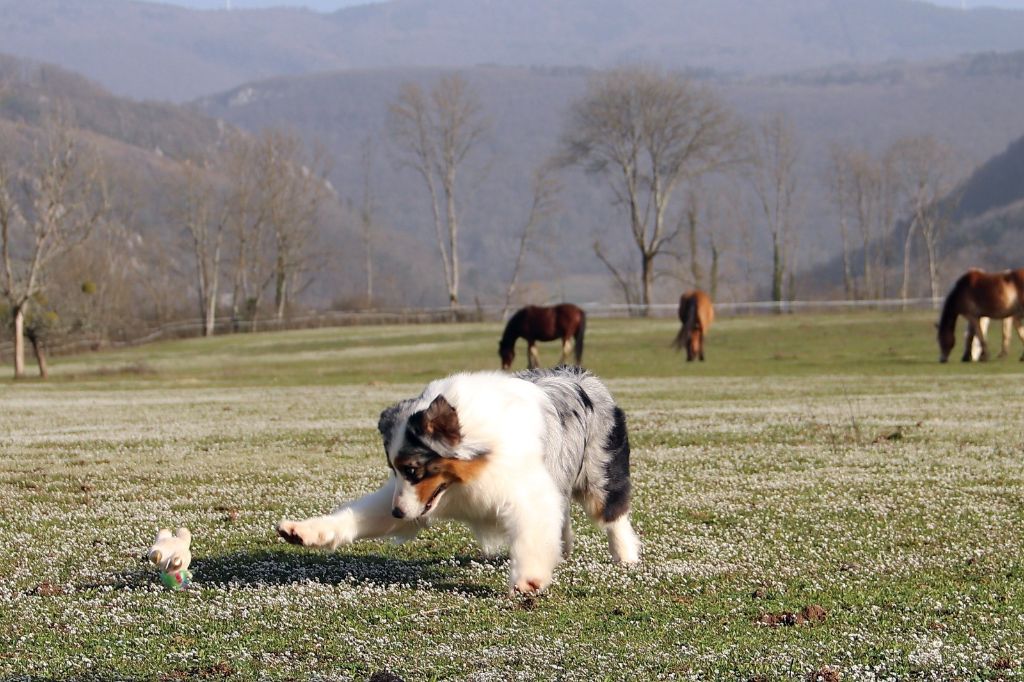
[692, 219]
[924, 167]
[277, 191]
[867, 185]
[775, 183]
[727, 222]
[624, 278]
[434, 133]
[542, 206]
[889, 196]
[647, 132]
[839, 184]
[366, 209]
[47, 208]
[205, 215]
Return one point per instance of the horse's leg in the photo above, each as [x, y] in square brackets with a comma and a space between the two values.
[1019, 323]
[1004, 350]
[980, 329]
[973, 338]
[971, 345]
[700, 345]
[566, 349]
[534, 357]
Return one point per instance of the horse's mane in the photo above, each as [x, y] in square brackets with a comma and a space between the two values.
[511, 333]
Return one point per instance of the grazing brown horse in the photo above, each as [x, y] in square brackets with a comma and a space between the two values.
[977, 295]
[534, 323]
[696, 313]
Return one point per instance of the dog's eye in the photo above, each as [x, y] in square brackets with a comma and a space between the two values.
[410, 472]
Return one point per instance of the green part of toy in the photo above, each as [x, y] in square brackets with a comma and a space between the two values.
[176, 580]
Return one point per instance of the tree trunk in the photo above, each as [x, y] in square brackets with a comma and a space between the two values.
[210, 314]
[369, 269]
[648, 282]
[868, 288]
[778, 268]
[847, 268]
[239, 296]
[214, 287]
[930, 243]
[40, 353]
[453, 242]
[695, 269]
[280, 288]
[907, 243]
[19, 341]
[713, 277]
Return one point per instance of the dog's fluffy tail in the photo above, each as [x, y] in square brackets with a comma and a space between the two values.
[617, 489]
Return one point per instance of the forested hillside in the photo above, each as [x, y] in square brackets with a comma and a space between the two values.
[972, 104]
[155, 164]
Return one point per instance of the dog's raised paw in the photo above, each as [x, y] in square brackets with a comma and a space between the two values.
[288, 530]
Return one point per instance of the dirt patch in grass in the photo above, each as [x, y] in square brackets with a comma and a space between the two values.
[825, 673]
[812, 614]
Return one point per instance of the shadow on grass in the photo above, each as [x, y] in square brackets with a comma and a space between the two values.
[285, 567]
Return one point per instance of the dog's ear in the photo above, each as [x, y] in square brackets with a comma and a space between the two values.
[386, 422]
[438, 422]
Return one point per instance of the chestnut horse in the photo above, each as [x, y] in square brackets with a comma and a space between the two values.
[696, 313]
[535, 323]
[977, 295]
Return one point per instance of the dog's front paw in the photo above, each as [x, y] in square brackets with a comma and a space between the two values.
[532, 585]
[309, 533]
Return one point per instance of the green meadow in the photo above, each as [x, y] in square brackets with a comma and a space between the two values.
[821, 499]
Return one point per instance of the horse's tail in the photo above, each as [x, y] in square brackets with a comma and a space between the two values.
[693, 313]
[578, 337]
[680, 339]
[687, 311]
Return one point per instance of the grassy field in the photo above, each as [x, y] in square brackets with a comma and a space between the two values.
[814, 461]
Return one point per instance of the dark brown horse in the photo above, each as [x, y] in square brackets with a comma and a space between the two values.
[696, 313]
[543, 323]
[977, 295]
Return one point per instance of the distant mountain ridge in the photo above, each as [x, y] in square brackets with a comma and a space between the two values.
[158, 51]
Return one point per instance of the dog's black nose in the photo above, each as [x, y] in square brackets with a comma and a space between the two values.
[398, 513]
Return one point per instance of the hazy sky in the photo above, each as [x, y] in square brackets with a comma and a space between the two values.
[330, 5]
[321, 5]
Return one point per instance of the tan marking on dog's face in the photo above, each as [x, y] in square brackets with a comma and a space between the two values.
[442, 471]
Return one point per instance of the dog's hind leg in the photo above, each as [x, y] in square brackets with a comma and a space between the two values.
[610, 508]
[367, 517]
[622, 540]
